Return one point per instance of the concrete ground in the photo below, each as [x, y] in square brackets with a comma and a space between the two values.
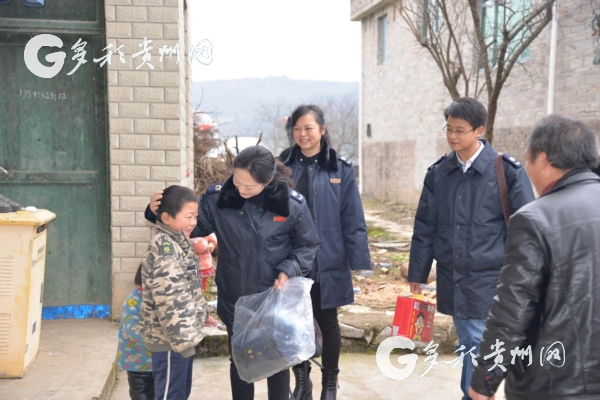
[360, 379]
[74, 362]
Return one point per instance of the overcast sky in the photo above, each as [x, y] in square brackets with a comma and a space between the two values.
[302, 39]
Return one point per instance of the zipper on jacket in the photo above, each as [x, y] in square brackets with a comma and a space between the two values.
[244, 288]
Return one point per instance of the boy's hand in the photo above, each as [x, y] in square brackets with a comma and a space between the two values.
[415, 287]
[281, 280]
[155, 200]
[476, 396]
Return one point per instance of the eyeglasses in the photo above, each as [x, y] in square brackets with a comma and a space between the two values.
[449, 132]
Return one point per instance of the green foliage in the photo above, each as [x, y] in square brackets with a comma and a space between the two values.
[379, 234]
[399, 257]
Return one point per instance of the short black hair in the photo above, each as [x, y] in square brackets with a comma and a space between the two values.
[567, 142]
[468, 109]
[174, 197]
[138, 275]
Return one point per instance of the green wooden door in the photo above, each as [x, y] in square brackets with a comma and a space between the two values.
[53, 142]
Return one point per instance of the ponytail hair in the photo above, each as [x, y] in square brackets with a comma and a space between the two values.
[138, 275]
[316, 111]
[263, 167]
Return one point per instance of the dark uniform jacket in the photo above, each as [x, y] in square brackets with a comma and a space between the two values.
[460, 224]
[255, 243]
[338, 215]
[549, 298]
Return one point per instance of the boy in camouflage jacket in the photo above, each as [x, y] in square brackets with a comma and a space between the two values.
[173, 308]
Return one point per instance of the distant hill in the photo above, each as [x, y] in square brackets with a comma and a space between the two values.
[236, 101]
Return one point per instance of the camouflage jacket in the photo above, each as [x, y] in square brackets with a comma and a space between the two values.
[173, 306]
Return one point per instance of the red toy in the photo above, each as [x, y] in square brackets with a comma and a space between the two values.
[203, 247]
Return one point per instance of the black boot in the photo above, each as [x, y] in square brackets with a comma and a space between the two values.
[141, 385]
[329, 382]
[303, 389]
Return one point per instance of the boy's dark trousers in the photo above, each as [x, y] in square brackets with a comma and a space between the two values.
[141, 385]
[172, 375]
[278, 385]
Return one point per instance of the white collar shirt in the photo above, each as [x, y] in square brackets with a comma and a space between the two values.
[466, 165]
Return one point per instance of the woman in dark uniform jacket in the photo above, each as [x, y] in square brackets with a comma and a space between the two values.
[328, 183]
[266, 235]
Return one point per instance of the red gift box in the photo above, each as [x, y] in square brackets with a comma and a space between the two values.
[413, 319]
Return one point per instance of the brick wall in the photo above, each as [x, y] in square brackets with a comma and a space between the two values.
[150, 113]
[403, 98]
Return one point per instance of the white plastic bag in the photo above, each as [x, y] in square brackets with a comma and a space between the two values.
[273, 330]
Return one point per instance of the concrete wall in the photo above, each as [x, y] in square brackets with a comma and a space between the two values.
[403, 98]
[150, 113]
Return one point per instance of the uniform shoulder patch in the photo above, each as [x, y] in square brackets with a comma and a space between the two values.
[215, 188]
[296, 196]
[165, 248]
[345, 160]
[437, 162]
[513, 161]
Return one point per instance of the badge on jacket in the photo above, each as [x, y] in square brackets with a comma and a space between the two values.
[334, 180]
[279, 219]
[166, 248]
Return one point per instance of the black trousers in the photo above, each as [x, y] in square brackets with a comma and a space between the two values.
[328, 322]
[141, 385]
[172, 375]
[278, 384]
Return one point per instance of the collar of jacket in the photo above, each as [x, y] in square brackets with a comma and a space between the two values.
[328, 157]
[182, 240]
[481, 162]
[577, 175]
[277, 198]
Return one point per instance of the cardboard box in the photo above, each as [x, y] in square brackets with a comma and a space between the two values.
[413, 319]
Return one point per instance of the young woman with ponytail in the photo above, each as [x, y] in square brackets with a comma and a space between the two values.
[327, 181]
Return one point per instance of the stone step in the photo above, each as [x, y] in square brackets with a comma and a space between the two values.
[362, 330]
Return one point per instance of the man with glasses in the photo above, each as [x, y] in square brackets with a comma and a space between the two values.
[461, 224]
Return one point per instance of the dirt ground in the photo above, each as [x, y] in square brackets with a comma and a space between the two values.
[380, 290]
[399, 213]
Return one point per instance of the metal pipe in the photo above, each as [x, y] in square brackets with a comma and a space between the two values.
[552, 66]
[360, 111]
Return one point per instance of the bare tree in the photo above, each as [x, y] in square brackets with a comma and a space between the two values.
[341, 116]
[270, 117]
[476, 44]
[595, 25]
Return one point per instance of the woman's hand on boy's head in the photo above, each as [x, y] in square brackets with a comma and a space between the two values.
[155, 200]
